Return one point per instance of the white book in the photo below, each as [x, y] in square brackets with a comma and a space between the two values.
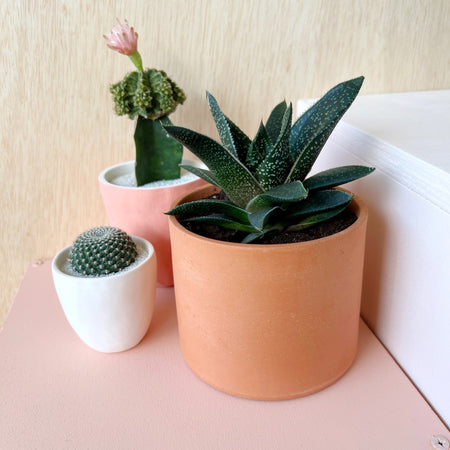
[406, 293]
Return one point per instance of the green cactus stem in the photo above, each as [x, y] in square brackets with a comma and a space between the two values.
[101, 251]
[150, 96]
[158, 156]
[136, 60]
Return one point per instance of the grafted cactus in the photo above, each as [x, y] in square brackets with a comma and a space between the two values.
[101, 251]
[264, 179]
[148, 96]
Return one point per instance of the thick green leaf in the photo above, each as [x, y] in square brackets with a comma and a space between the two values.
[285, 193]
[158, 156]
[302, 165]
[222, 125]
[275, 121]
[261, 218]
[335, 177]
[316, 218]
[202, 173]
[241, 140]
[234, 178]
[311, 131]
[276, 165]
[211, 206]
[318, 202]
[259, 148]
[223, 222]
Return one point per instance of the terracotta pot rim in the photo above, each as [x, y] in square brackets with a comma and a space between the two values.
[102, 178]
[357, 205]
[62, 255]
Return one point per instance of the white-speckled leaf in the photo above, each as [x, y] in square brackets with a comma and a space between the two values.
[320, 201]
[310, 132]
[285, 193]
[211, 206]
[275, 121]
[241, 140]
[336, 176]
[222, 125]
[259, 148]
[233, 177]
[277, 164]
[202, 173]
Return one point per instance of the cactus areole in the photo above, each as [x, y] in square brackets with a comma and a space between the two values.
[102, 251]
[264, 183]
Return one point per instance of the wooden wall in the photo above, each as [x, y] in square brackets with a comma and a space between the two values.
[57, 127]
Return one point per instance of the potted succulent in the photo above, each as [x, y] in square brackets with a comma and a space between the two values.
[137, 193]
[106, 284]
[262, 313]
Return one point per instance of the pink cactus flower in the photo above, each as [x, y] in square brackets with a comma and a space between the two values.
[122, 39]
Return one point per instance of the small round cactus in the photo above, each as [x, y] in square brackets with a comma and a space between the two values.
[102, 251]
[150, 94]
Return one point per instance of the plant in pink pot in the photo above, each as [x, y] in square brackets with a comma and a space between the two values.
[136, 193]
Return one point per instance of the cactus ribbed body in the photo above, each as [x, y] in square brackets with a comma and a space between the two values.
[150, 94]
[102, 251]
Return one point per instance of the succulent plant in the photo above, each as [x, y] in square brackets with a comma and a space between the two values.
[102, 251]
[264, 180]
[148, 96]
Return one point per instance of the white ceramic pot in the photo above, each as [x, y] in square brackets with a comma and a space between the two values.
[110, 313]
[139, 211]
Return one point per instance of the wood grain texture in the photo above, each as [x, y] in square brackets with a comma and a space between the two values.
[57, 127]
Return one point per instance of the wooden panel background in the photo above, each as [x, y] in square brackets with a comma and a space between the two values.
[57, 127]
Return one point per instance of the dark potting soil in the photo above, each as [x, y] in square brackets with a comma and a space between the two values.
[322, 229]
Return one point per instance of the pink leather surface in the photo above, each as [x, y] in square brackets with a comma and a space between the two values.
[55, 392]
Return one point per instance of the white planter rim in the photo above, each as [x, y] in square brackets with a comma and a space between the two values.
[128, 166]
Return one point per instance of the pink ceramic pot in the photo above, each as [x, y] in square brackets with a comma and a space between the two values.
[140, 211]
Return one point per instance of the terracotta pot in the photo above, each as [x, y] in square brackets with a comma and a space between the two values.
[268, 322]
[140, 211]
[110, 313]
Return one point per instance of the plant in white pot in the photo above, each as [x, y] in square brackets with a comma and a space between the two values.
[268, 262]
[136, 193]
[106, 284]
